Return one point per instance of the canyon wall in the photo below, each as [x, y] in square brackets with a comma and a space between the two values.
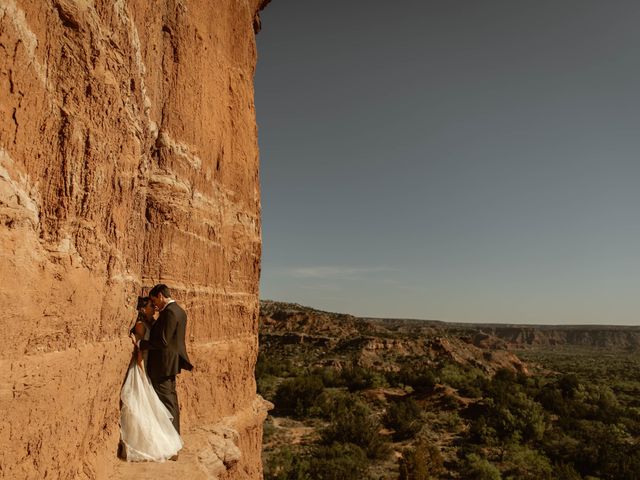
[619, 338]
[128, 157]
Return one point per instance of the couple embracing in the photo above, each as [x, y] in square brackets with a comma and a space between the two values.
[150, 415]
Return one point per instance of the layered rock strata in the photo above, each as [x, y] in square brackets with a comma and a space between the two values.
[580, 336]
[334, 339]
[128, 156]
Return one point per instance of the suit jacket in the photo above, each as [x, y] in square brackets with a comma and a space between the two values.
[167, 351]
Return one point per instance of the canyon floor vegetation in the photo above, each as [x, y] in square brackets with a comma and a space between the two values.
[365, 399]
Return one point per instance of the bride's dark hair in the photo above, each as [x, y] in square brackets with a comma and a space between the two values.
[142, 302]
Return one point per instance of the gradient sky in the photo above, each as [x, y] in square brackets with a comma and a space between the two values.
[473, 161]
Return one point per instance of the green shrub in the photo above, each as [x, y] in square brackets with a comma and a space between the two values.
[330, 377]
[419, 377]
[359, 378]
[568, 385]
[423, 462]
[353, 422]
[468, 381]
[338, 461]
[450, 402]
[524, 463]
[508, 413]
[277, 367]
[266, 386]
[405, 417]
[287, 465]
[566, 472]
[296, 396]
[478, 468]
[268, 428]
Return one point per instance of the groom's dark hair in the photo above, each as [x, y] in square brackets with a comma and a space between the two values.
[160, 288]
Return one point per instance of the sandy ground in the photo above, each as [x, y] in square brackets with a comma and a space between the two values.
[187, 466]
[295, 431]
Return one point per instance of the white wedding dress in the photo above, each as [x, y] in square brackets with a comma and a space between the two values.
[146, 431]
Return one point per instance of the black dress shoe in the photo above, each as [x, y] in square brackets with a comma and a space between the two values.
[121, 453]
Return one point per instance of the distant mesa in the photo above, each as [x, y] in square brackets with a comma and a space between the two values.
[295, 322]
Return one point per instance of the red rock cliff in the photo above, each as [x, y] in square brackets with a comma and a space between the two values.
[128, 156]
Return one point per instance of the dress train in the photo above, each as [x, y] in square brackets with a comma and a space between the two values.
[146, 431]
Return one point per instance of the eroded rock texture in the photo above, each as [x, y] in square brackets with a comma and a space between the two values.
[128, 156]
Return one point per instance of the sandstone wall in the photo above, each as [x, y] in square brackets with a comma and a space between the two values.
[128, 156]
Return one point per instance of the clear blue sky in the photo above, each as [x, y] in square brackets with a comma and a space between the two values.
[473, 161]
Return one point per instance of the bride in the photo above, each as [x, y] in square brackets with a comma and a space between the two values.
[146, 431]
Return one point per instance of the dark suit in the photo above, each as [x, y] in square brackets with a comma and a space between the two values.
[167, 356]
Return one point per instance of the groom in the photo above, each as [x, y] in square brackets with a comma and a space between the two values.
[167, 351]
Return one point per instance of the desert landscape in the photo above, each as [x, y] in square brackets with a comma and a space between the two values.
[407, 399]
[420, 159]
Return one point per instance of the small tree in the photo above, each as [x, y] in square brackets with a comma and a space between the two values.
[405, 417]
[297, 395]
[525, 463]
[353, 422]
[421, 378]
[479, 468]
[423, 462]
[359, 378]
[338, 461]
[287, 465]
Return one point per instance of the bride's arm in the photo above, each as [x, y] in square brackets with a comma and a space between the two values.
[139, 331]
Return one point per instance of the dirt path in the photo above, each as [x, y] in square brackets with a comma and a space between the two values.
[187, 466]
[295, 431]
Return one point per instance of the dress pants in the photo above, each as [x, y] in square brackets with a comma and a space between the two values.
[165, 387]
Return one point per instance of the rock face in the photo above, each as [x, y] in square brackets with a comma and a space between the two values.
[128, 156]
